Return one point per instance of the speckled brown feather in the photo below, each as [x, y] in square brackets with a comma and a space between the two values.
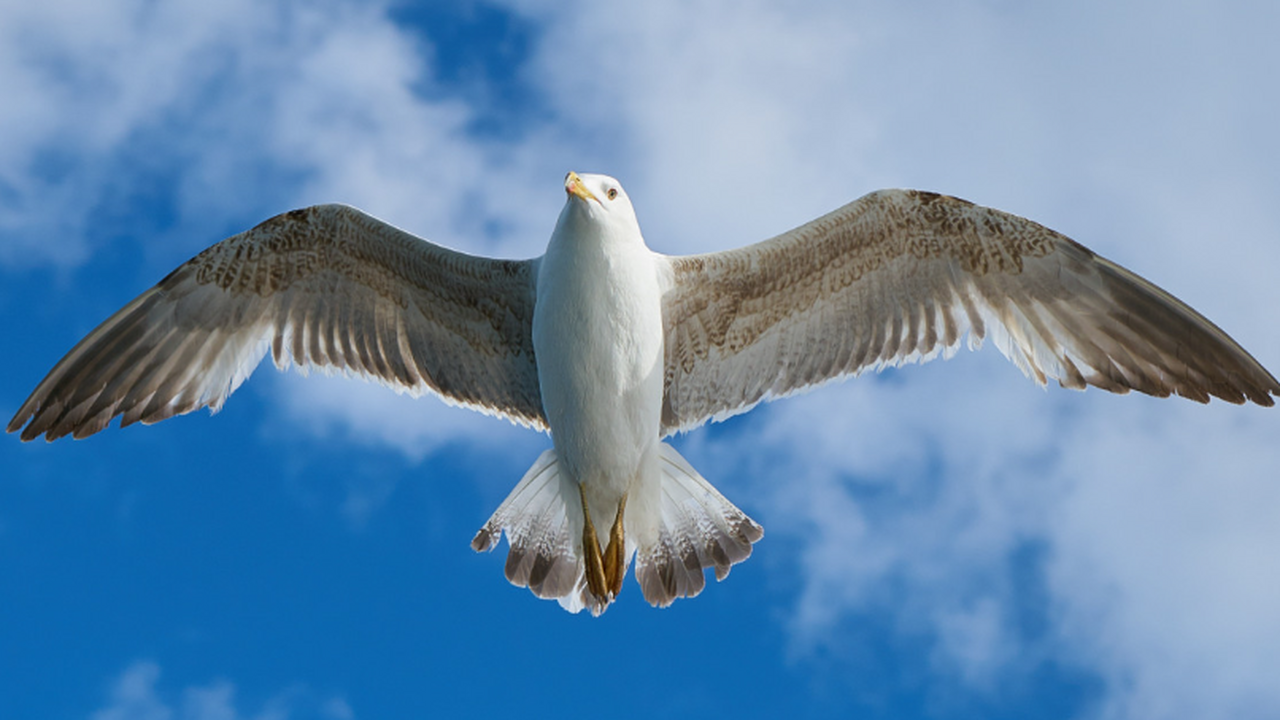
[899, 276]
[326, 287]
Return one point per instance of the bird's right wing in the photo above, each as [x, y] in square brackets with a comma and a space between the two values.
[326, 286]
[900, 276]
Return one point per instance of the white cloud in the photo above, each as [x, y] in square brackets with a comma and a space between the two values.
[912, 499]
[708, 107]
[369, 412]
[910, 494]
[90, 77]
[137, 695]
[247, 106]
[1166, 572]
[133, 696]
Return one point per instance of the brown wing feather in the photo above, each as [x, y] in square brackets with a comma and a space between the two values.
[327, 287]
[900, 276]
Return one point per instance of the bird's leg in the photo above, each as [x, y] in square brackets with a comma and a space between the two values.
[591, 551]
[614, 556]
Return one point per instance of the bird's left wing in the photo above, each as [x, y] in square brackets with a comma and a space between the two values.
[900, 276]
[326, 286]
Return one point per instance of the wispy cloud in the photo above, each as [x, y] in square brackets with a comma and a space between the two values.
[1164, 574]
[233, 109]
[137, 694]
[95, 78]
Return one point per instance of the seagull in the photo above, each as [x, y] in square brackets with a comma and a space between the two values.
[612, 348]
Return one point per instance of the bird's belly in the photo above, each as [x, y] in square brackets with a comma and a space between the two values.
[600, 367]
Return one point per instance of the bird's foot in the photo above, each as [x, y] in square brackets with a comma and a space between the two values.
[596, 582]
[606, 570]
[615, 561]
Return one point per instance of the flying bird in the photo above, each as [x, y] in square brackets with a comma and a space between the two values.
[611, 348]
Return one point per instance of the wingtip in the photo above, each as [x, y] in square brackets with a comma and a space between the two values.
[26, 427]
[1261, 389]
[20, 420]
[1263, 398]
[486, 539]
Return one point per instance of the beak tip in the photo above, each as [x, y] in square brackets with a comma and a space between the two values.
[573, 186]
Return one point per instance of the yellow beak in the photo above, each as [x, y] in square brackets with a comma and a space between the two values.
[573, 185]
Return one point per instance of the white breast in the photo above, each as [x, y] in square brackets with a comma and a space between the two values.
[597, 333]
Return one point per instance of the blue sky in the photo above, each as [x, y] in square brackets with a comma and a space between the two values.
[944, 541]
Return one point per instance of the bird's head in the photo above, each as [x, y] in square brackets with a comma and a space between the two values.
[599, 203]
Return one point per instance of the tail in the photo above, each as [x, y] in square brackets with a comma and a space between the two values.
[543, 523]
[697, 528]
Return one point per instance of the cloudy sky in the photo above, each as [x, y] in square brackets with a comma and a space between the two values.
[944, 541]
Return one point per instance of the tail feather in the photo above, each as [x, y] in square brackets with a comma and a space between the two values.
[543, 535]
[699, 529]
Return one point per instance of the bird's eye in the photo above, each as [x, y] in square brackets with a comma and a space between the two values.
[611, 193]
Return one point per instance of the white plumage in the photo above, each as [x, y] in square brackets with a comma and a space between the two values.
[612, 347]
